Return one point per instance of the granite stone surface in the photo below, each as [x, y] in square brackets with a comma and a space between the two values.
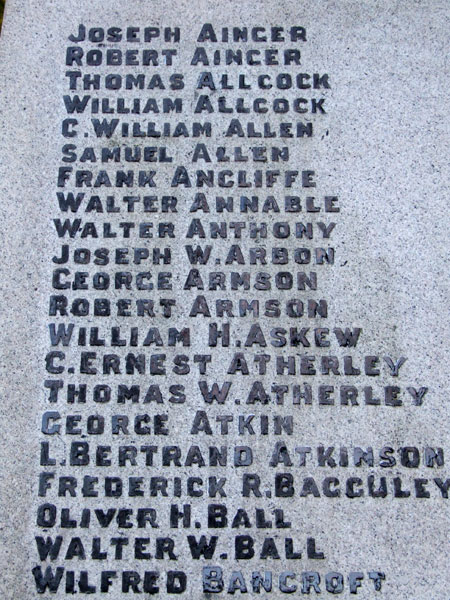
[224, 317]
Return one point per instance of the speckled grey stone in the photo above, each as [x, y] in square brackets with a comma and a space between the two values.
[381, 147]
